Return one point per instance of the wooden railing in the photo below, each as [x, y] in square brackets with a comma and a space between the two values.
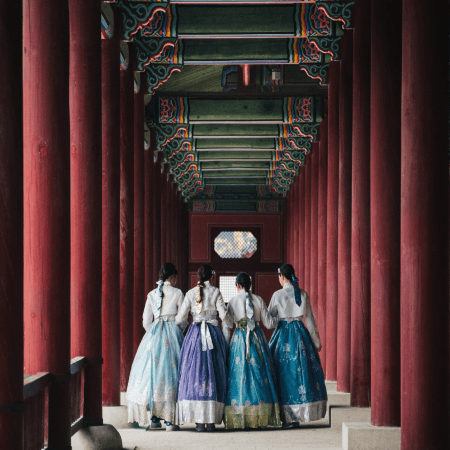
[36, 398]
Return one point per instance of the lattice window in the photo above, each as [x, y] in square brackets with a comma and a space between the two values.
[227, 287]
[235, 244]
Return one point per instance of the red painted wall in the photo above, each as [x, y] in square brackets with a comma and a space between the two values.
[262, 267]
[202, 223]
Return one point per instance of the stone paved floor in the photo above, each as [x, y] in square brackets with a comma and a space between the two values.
[313, 436]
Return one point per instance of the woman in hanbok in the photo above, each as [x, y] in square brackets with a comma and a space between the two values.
[301, 385]
[251, 397]
[153, 382]
[202, 387]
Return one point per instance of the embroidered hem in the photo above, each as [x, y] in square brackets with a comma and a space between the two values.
[198, 411]
[307, 412]
[252, 416]
[138, 413]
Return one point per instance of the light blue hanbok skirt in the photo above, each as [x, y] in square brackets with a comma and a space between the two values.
[301, 385]
[251, 395]
[153, 383]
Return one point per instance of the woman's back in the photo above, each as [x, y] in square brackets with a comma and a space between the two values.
[171, 301]
[237, 310]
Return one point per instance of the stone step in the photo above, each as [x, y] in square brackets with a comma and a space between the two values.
[331, 385]
[338, 398]
[364, 436]
[340, 414]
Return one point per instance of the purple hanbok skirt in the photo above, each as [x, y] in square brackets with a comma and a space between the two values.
[202, 375]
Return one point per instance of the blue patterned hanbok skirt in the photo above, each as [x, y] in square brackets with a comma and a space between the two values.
[301, 385]
[251, 397]
[153, 382]
[202, 387]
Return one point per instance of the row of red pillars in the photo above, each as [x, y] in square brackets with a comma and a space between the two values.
[375, 190]
[81, 197]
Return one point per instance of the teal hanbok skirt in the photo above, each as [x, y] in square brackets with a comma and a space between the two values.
[153, 383]
[251, 396]
[300, 380]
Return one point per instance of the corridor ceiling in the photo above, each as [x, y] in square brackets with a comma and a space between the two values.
[237, 91]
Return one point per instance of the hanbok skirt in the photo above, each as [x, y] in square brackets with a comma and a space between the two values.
[202, 387]
[153, 382]
[251, 396]
[300, 380]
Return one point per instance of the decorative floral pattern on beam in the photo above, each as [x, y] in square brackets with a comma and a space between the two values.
[329, 46]
[298, 109]
[290, 166]
[153, 19]
[265, 191]
[337, 11]
[316, 71]
[166, 132]
[303, 51]
[203, 206]
[181, 158]
[177, 146]
[312, 21]
[187, 178]
[191, 188]
[301, 129]
[157, 74]
[160, 51]
[298, 143]
[183, 168]
[173, 110]
[295, 155]
[277, 187]
[267, 206]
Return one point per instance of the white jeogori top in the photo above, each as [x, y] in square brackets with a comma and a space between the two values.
[236, 311]
[171, 302]
[283, 306]
[212, 305]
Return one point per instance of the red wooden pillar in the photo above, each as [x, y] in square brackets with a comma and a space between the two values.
[149, 203]
[322, 239]
[47, 205]
[332, 219]
[139, 213]
[360, 257]
[126, 222]
[168, 205]
[156, 199]
[287, 208]
[11, 227]
[385, 127]
[110, 220]
[171, 213]
[300, 268]
[85, 96]
[314, 161]
[308, 224]
[345, 213]
[424, 229]
[294, 189]
[163, 209]
[178, 224]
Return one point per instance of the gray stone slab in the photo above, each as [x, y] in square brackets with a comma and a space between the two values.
[364, 436]
[338, 398]
[340, 414]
